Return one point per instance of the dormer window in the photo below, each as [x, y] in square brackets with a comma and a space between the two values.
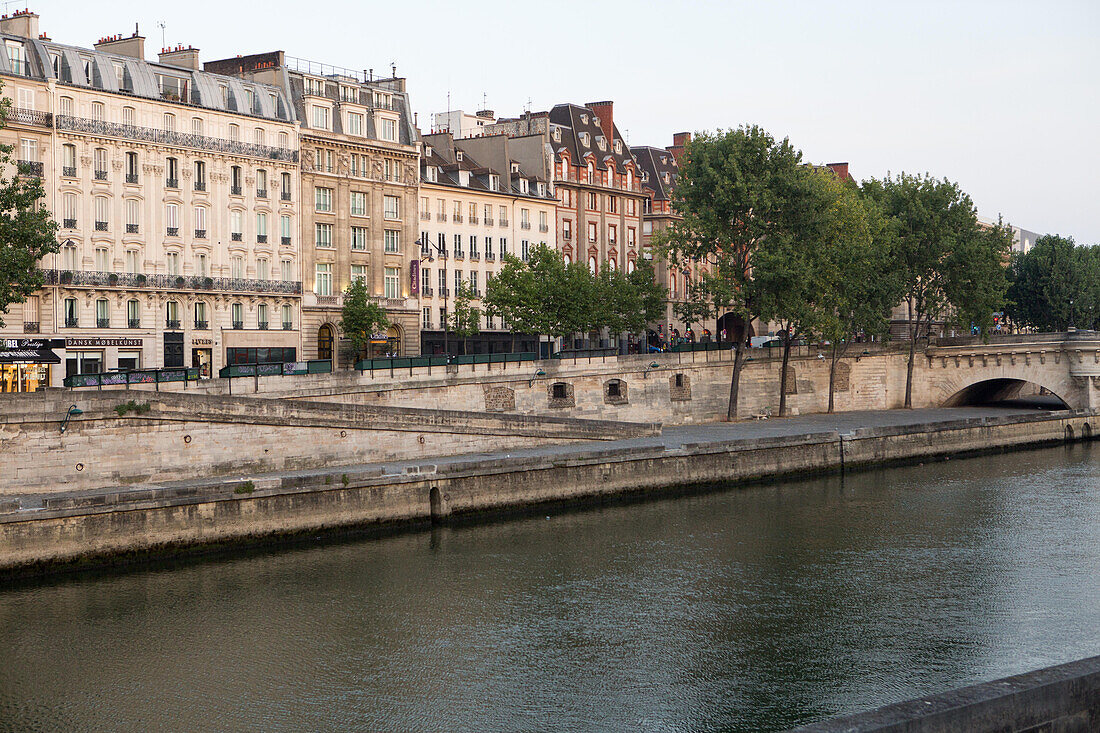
[515, 167]
[666, 177]
[432, 173]
[584, 119]
[458, 156]
[427, 151]
[349, 94]
[494, 182]
[586, 139]
[315, 87]
[618, 147]
[595, 120]
[557, 134]
[541, 188]
[601, 142]
[464, 178]
[524, 186]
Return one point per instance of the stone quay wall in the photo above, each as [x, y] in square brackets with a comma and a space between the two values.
[1065, 698]
[115, 526]
[191, 436]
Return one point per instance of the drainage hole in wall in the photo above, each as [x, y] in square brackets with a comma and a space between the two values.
[80, 467]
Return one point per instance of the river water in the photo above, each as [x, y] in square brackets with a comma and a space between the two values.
[745, 610]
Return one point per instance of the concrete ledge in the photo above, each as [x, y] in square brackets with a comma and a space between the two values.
[1062, 699]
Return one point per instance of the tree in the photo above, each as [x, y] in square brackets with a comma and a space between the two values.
[942, 255]
[465, 319]
[730, 194]
[1054, 285]
[698, 307]
[510, 294]
[362, 317]
[650, 297]
[27, 230]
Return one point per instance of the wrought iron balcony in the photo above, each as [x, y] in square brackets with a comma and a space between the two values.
[441, 217]
[30, 326]
[262, 325]
[131, 177]
[103, 323]
[68, 171]
[261, 238]
[285, 195]
[134, 323]
[473, 220]
[200, 234]
[30, 168]
[101, 175]
[261, 193]
[200, 185]
[457, 217]
[172, 183]
[172, 231]
[141, 281]
[425, 215]
[488, 222]
[489, 256]
[234, 190]
[68, 223]
[101, 226]
[426, 292]
[525, 225]
[132, 228]
[202, 325]
[70, 322]
[544, 228]
[504, 222]
[288, 326]
[238, 325]
[474, 255]
[459, 254]
[23, 116]
[172, 323]
[285, 241]
[198, 142]
[444, 292]
[237, 236]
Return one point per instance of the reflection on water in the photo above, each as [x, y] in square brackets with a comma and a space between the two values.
[753, 609]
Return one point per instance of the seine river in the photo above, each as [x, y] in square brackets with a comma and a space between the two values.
[746, 610]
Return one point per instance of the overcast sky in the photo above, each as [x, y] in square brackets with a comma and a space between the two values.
[1003, 97]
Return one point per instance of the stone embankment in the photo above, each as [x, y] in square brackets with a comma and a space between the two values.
[39, 533]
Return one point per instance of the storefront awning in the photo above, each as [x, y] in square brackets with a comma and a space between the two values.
[28, 356]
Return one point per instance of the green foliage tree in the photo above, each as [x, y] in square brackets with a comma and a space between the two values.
[510, 295]
[1055, 285]
[465, 318]
[362, 317]
[27, 230]
[650, 297]
[948, 266]
[698, 307]
[731, 193]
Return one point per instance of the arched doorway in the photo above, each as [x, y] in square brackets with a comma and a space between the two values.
[731, 327]
[326, 339]
[1007, 392]
[393, 340]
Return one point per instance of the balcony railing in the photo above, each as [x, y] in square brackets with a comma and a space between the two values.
[172, 182]
[68, 223]
[132, 228]
[101, 175]
[30, 168]
[285, 195]
[30, 326]
[202, 325]
[101, 226]
[488, 222]
[172, 231]
[426, 292]
[199, 142]
[238, 325]
[237, 236]
[425, 216]
[288, 325]
[261, 238]
[441, 217]
[262, 325]
[544, 228]
[200, 185]
[103, 323]
[172, 323]
[285, 241]
[168, 282]
[134, 323]
[234, 190]
[261, 193]
[459, 254]
[525, 225]
[504, 222]
[489, 256]
[474, 255]
[131, 177]
[444, 292]
[473, 220]
[200, 234]
[457, 217]
[70, 322]
[68, 171]
[29, 117]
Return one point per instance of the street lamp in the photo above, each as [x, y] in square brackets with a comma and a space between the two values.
[442, 251]
[650, 367]
[538, 373]
[73, 411]
[1071, 318]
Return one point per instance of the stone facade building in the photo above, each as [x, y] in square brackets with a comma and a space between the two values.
[359, 176]
[169, 184]
[480, 198]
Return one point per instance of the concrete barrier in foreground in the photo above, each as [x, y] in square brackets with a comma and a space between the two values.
[1062, 699]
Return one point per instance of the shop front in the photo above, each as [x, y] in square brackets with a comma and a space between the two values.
[27, 365]
[259, 347]
[202, 356]
[100, 355]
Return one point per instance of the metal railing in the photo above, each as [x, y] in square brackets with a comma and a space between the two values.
[288, 325]
[262, 325]
[30, 168]
[286, 241]
[238, 325]
[285, 195]
[237, 236]
[134, 323]
[504, 222]
[172, 183]
[101, 175]
[131, 228]
[103, 323]
[202, 325]
[525, 225]
[169, 282]
[71, 323]
[234, 190]
[68, 171]
[101, 226]
[261, 238]
[200, 234]
[149, 134]
[131, 177]
[172, 231]
[68, 223]
[261, 193]
[29, 117]
[137, 376]
[172, 323]
[30, 327]
[200, 185]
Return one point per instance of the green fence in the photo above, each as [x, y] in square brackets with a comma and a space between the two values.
[703, 346]
[280, 369]
[138, 376]
[393, 364]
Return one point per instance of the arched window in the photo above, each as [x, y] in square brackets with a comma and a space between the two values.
[612, 264]
[591, 172]
[592, 266]
[630, 265]
[567, 259]
[99, 111]
[284, 140]
[672, 285]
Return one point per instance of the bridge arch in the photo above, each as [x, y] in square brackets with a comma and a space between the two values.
[1001, 389]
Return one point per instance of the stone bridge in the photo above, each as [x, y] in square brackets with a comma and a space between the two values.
[966, 370]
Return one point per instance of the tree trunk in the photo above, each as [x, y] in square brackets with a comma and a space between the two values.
[914, 331]
[834, 358]
[735, 380]
[513, 341]
[783, 374]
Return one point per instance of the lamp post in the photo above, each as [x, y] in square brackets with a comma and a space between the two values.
[73, 411]
[443, 256]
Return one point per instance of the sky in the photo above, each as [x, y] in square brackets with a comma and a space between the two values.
[1001, 97]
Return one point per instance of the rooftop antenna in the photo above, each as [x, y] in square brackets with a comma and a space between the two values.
[163, 41]
[484, 100]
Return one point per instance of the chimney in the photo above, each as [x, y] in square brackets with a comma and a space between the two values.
[134, 46]
[22, 23]
[185, 56]
[679, 140]
[607, 121]
[840, 169]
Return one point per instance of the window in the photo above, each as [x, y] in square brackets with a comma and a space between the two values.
[66, 106]
[102, 313]
[234, 132]
[202, 269]
[200, 175]
[473, 281]
[389, 130]
[322, 283]
[173, 88]
[70, 312]
[102, 259]
[355, 123]
[503, 246]
[286, 186]
[284, 140]
[391, 207]
[235, 180]
[359, 238]
[200, 315]
[261, 227]
[172, 260]
[458, 281]
[132, 261]
[101, 207]
[261, 315]
[392, 282]
[524, 219]
[172, 219]
[99, 159]
[359, 273]
[238, 315]
[99, 112]
[473, 245]
[236, 228]
[392, 238]
[258, 136]
[68, 158]
[323, 234]
[591, 231]
[630, 236]
[612, 204]
[593, 202]
[284, 228]
[316, 87]
[611, 231]
[489, 247]
[286, 269]
[169, 122]
[426, 318]
[425, 280]
[321, 117]
[263, 271]
[359, 203]
[133, 314]
[68, 257]
[261, 184]
[133, 214]
[323, 198]
[524, 249]
[196, 126]
[172, 173]
[131, 168]
[288, 320]
[503, 216]
[473, 213]
[236, 267]
[68, 210]
[592, 266]
[591, 171]
[458, 245]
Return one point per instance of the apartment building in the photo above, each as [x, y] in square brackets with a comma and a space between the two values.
[359, 176]
[480, 198]
[168, 183]
[596, 179]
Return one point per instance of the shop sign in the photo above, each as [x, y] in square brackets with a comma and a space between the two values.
[414, 277]
[202, 342]
[34, 343]
[73, 343]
